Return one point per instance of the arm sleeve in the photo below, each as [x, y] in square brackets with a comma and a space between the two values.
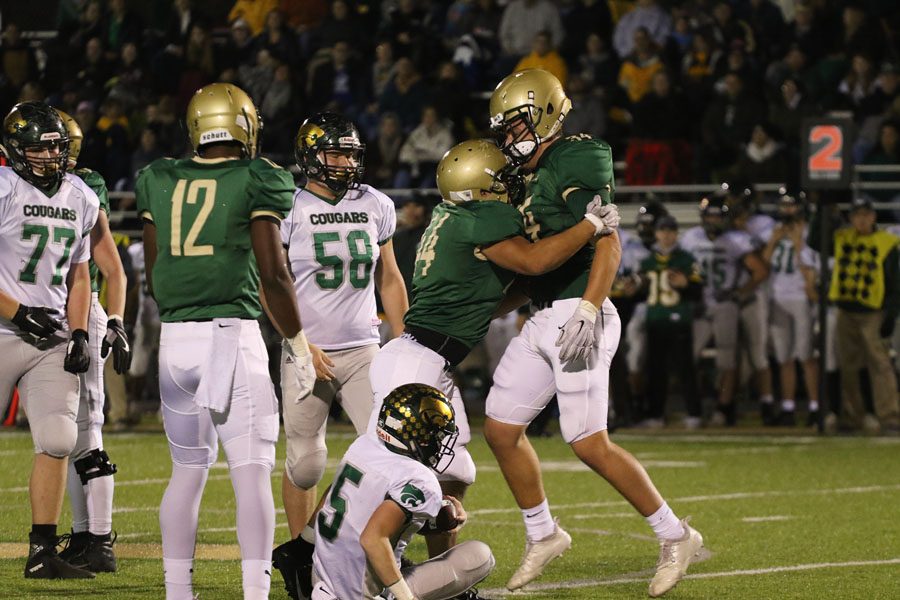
[419, 495]
[495, 222]
[270, 190]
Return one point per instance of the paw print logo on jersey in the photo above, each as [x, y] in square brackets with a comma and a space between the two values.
[411, 496]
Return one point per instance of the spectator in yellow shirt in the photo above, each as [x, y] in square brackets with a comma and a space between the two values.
[544, 56]
[638, 68]
[254, 12]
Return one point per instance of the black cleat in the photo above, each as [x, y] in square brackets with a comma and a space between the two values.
[44, 563]
[470, 594]
[767, 411]
[74, 544]
[295, 561]
[787, 418]
[99, 556]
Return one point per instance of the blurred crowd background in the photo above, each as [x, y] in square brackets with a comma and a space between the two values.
[685, 91]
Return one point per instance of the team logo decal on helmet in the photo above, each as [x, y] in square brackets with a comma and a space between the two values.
[417, 420]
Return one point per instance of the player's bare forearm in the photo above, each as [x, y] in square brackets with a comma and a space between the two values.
[275, 277]
[79, 304]
[385, 523]
[515, 297]
[389, 282]
[8, 306]
[607, 255]
[149, 254]
[519, 255]
[105, 254]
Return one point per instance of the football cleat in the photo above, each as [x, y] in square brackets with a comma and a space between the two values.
[469, 594]
[674, 558]
[538, 555]
[44, 563]
[787, 418]
[295, 561]
[96, 554]
[768, 414]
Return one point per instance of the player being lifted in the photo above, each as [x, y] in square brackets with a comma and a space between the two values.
[90, 480]
[46, 218]
[567, 345]
[339, 249]
[384, 490]
[210, 237]
[724, 255]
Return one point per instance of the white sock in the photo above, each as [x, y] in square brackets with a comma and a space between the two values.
[538, 522]
[767, 399]
[255, 527]
[257, 576]
[99, 492]
[178, 574]
[813, 405]
[77, 499]
[787, 405]
[665, 524]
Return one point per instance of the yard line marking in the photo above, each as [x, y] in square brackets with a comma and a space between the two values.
[766, 519]
[709, 498]
[576, 466]
[120, 483]
[587, 583]
[134, 534]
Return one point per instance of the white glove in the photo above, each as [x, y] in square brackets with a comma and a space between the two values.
[576, 337]
[300, 358]
[604, 217]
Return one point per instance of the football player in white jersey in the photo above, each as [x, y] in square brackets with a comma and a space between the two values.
[793, 291]
[339, 249]
[384, 490]
[46, 219]
[754, 316]
[90, 482]
[724, 255]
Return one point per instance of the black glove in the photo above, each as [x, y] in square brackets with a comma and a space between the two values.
[887, 328]
[38, 323]
[117, 340]
[78, 359]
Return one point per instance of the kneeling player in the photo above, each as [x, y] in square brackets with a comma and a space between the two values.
[384, 491]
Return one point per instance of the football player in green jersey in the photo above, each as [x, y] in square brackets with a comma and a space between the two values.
[673, 284]
[567, 345]
[90, 481]
[467, 260]
[211, 235]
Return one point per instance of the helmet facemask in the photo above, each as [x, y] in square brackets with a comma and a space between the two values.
[517, 134]
[339, 175]
[43, 168]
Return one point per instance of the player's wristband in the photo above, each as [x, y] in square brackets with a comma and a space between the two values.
[596, 221]
[588, 307]
[401, 590]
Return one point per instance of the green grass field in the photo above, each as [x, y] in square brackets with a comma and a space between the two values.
[783, 517]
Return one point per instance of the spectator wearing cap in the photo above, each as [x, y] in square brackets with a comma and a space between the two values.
[865, 287]
[647, 15]
[544, 56]
[673, 284]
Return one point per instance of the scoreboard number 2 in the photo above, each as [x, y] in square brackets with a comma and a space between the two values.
[826, 152]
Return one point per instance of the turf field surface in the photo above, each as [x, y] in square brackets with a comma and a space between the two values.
[789, 516]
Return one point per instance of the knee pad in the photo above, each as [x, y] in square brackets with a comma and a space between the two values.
[95, 464]
[54, 435]
[462, 468]
[305, 464]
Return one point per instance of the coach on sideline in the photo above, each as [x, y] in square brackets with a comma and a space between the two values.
[865, 287]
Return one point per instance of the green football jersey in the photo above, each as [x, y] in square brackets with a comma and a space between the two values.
[568, 176]
[202, 208]
[94, 180]
[665, 303]
[455, 289]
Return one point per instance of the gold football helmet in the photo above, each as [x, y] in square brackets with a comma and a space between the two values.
[530, 105]
[222, 112]
[418, 421]
[470, 168]
[75, 136]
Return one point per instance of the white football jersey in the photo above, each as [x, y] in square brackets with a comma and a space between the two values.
[785, 276]
[633, 252]
[720, 259]
[368, 475]
[760, 228]
[41, 237]
[333, 250]
[148, 311]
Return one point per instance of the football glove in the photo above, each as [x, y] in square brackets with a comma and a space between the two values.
[300, 357]
[116, 340]
[38, 323]
[604, 217]
[78, 359]
[576, 337]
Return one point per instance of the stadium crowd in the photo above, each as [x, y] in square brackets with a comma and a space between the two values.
[684, 91]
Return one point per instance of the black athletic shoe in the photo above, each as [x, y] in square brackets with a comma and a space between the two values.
[470, 594]
[787, 418]
[768, 413]
[44, 563]
[99, 557]
[295, 560]
[74, 544]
